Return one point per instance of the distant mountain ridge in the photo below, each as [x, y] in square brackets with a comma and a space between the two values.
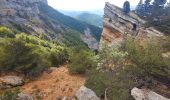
[76, 13]
[92, 19]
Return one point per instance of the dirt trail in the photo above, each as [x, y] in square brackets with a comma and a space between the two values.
[57, 84]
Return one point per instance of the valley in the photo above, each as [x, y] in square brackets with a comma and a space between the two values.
[123, 54]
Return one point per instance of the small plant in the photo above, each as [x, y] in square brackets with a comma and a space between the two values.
[11, 94]
[81, 61]
[111, 58]
[148, 59]
[166, 45]
[30, 55]
[6, 32]
[116, 85]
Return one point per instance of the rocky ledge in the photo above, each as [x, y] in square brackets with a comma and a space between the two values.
[10, 81]
[116, 23]
[19, 7]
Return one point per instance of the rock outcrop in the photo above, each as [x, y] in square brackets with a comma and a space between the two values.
[19, 7]
[117, 24]
[35, 17]
[86, 94]
[18, 14]
[23, 96]
[10, 81]
[89, 39]
[143, 94]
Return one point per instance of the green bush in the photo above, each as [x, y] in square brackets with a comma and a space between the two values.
[116, 85]
[148, 58]
[142, 65]
[166, 45]
[6, 32]
[110, 58]
[81, 61]
[110, 75]
[10, 94]
[30, 55]
[15, 54]
[58, 56]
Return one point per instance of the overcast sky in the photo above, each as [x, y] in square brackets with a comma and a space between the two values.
[85, 5]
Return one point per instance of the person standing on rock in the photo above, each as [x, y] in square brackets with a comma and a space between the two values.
[126, 7]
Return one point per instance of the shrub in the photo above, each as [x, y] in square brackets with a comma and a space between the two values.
[148, 58]
[29, 54]
[111, 76]
[116, 85]
[11, 94]
[145, 66]
[58, 56]
[166, 45]
[81, 61]
[15, 54]
[111, 58]
[6, 32]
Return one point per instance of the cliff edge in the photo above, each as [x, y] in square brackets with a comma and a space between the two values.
[117, 24]
[19, 7]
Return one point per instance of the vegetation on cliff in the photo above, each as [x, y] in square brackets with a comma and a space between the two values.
[27, 54]
[157, 14]
[89, 18]
[72, 23]
[136, 66]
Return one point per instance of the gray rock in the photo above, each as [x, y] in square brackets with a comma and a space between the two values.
[89, 39]
[143, 94]
[23, 96]
[15, 7]
[117, 24]
[86, 94]
[10, 81]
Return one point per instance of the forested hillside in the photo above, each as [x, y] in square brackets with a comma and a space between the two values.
[157, 14]
[70, 22]
[92, 19]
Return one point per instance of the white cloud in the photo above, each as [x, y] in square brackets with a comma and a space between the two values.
[84, 5]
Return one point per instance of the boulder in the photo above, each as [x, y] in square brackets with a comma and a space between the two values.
[10, 81]
[143, 94]
[23, 96]
[86, 94]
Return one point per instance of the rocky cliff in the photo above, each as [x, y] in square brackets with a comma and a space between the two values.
[37, 18]
[117, 24]
[19, 7]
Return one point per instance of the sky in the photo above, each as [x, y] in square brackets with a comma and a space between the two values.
[85, 5]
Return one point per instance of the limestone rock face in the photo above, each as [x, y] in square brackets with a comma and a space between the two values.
[30, 16]
[117, 24]
[89, 39]
[142, 94]
[19, 7]
[10, 81]
[19, 14]
[86, 94]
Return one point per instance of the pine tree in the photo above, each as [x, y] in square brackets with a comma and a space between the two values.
[159, 3]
